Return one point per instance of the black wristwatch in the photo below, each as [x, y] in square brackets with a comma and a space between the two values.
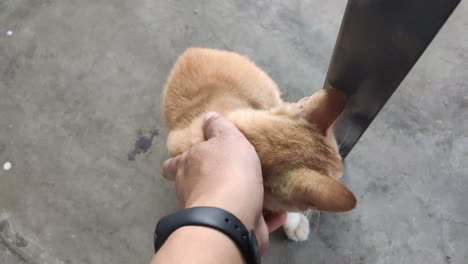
[212, 217]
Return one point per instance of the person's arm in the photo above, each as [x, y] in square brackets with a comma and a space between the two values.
[223, 172]
[196, 244]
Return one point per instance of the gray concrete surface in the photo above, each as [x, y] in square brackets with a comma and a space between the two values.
[80, 85]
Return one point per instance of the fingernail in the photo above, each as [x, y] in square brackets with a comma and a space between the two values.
[209, 115]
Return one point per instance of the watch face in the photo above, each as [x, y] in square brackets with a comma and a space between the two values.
[254, 247]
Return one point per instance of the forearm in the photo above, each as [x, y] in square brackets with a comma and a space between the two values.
[196, 244]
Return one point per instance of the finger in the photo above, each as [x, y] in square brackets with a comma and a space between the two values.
[262, 236]
[215, 125]
[169, 168]
[274, 221]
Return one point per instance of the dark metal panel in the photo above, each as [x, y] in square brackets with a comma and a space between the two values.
[378, 44]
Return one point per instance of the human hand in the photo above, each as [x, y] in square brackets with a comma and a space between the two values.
[223, 172]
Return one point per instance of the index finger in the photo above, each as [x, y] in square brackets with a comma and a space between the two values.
[169, 168]
[274, 220]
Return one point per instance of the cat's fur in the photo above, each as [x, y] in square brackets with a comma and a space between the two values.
[300, 161]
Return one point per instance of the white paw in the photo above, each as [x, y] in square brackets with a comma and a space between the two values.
[296, 227]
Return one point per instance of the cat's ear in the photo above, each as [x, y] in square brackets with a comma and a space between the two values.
[314, 190]
[323, 108]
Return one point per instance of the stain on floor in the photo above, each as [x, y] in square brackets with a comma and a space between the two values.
[143, 143]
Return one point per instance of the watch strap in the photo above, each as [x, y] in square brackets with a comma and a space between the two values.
[211, 217]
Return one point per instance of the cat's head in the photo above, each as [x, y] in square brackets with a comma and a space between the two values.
[299, 154]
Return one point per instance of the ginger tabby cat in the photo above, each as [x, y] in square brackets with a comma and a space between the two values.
[299, 155]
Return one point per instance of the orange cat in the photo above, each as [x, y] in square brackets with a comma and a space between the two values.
[300, 161]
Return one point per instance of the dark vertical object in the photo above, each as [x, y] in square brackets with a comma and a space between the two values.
[378, 44]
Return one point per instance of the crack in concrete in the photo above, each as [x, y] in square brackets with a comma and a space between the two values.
[15, 252]
[443, 248]
[444, 219]
[15, 243]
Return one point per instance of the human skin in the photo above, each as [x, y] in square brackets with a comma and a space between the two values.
[224, 171]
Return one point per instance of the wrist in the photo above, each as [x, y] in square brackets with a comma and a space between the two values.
[247, 217]
[200, 245]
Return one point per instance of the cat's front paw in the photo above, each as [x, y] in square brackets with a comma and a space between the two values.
[296, 227]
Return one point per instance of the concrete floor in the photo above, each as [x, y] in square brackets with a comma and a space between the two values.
[80, 85]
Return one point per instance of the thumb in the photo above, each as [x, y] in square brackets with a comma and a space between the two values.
[214, 125]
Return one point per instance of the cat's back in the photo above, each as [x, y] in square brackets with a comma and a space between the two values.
[205, 80]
